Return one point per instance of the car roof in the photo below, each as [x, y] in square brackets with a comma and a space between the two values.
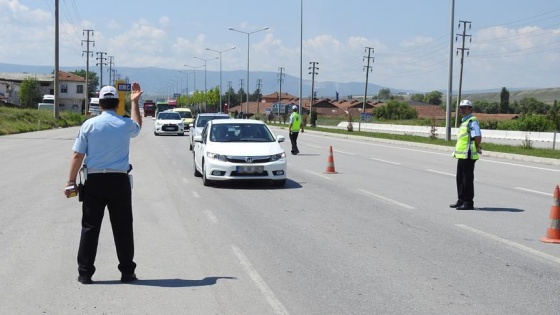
[181, 109]
[237, 121]
[212, 115]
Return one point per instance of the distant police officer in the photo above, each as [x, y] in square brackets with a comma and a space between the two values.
[295, 127]
[467, 150]
[104, 142]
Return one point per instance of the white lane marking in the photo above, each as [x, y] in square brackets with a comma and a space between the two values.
[438, 172]
[195, 194]
[314, 146]
[347, 153]
[386, 199]
[320, 175]
[385, 161]
[259, 282]
[533, 191]
[211, 216]
[512, 244]
[526, 166]
[449, 154]
[186, 180]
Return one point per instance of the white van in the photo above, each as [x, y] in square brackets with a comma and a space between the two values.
[94, 109]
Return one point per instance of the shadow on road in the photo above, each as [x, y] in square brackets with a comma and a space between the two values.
[500, 209]
[171, 283]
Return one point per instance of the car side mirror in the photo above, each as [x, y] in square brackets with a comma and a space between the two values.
[280, 138]
[197, 138]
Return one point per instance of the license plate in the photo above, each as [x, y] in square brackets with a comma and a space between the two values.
[250, 169]
[169, 128]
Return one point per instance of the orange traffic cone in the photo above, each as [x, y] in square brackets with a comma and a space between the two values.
[553, 231]
[330, 163]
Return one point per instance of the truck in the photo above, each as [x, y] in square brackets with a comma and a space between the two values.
[93, 109]
[149, 108]
[47, 102]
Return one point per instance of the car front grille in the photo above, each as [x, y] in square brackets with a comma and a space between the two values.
[249, 159]
[236, 174]
[170, 127]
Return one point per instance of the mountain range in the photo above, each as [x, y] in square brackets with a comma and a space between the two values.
[161, 81]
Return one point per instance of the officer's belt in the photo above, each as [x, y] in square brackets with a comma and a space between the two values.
[104, 171]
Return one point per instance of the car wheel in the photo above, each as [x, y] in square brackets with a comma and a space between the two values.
[279, 183]
[205, 180]
[196, 172]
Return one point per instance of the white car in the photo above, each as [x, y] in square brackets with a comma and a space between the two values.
[168, 122]
[239, 149]
[199, 122]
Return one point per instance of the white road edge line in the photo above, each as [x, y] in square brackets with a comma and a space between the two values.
[259, 282]
[534, 191]
[385, 161]
[512, 244]
[211, 216]
[195, 194]
[386, 199]
[320, 175]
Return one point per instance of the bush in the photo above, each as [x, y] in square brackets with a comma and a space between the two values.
[537, 123]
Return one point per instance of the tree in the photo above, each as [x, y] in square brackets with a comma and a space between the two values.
[384, 94]
[231, 97]
[213, 98]
[554, 115]
[93, 80]
[433, 98]
[29, 93]
[504, 101]
[417, 97]
[395, 110]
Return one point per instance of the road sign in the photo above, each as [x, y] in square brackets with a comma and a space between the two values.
[124, 87]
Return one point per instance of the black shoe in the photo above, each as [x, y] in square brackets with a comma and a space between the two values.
[84, 279]
[466, 206]
[128, 278]
[456, 204]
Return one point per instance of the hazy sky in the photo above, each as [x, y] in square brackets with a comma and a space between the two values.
[515, 43]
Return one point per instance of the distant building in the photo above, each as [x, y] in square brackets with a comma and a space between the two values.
[71, 95]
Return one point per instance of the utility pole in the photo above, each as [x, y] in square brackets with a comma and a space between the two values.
[56, 58]
[462, 49]
[313, 72]
[101, 63]
[367, 69]
[111, 63]
[241, 95]
[259, 86]
[229, 95]
[88, 54]
[281, 80]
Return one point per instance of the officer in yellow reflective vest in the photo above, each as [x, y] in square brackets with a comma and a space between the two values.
[466, 152]
[295, 127]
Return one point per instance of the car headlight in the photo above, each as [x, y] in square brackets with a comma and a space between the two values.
[216, 156]
[278, 156]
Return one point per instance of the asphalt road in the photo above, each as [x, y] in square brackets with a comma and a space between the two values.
[378, 237]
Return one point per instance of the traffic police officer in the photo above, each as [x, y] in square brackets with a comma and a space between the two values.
[103, 145]
[295, 127]
[467, 150]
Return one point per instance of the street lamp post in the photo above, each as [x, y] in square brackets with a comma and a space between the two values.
[194, 75]
[247, 33]
[220, 52]
[205, 60]
[187, 89]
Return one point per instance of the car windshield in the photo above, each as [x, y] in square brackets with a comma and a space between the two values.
[169, 116]
[240, 133]
[185, 114]
[202, 120]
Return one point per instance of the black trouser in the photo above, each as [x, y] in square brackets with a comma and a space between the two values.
[111, 190]
[465, 180]
[293, 140]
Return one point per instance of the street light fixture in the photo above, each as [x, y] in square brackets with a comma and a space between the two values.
[247, 33]
[187, 89]
[194, 74]
[205, 60]
[220, 52]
